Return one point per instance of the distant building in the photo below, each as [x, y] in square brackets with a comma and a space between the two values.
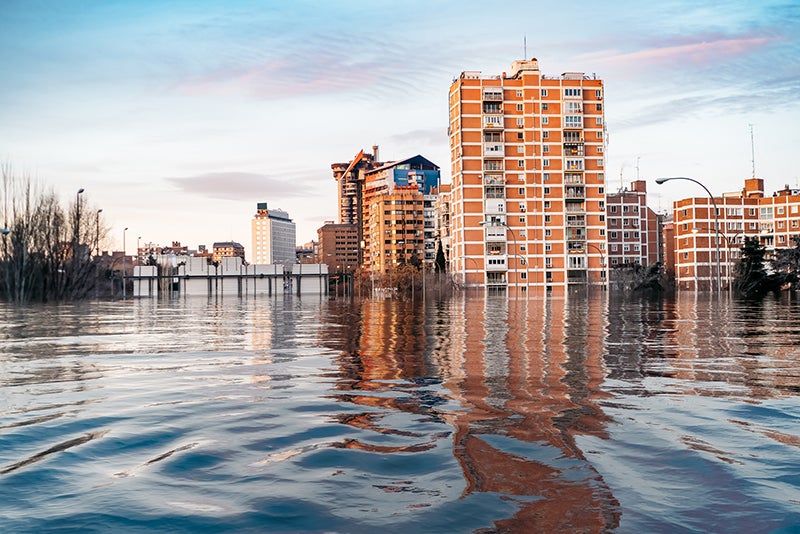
[307, 252]
[441, 210]
[631, 227]
[338, 246]
[273, 236]
[774, 220]
[350, 179]
[386, 188]
[227, 249]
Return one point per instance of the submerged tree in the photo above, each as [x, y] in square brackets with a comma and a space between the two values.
[751, 278]
[786, 264]
[46, 254]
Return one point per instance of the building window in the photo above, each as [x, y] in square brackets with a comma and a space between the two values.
[601, 190]
[599, 150]
[521, 190]
[520, 149]
[544, 92]
[522, 219]
[519, 93]
[545, 135]
[521, 163]
[547, 204]
[545, 120]
[598, 107]
[780, 210]
[546, 177]
[520, 135]
[613, 209]
[597, 94]
[545, 162]
[519, 107]
[601, 205]
[602, 231]
[520, 122]
[602, 218]
[546, 149]
[547, 218]
[546, 190]
[573, 121]
[544, 106]
[547, 247]
[613, 247]
[547, 232]
[685, 255]
[613, 235]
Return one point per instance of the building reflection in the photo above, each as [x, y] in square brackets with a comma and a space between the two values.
[528, 375]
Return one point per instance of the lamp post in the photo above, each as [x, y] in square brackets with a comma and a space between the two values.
[602, 258]
[123, 262]
[97, 255]
[716, 219]
[513, 238]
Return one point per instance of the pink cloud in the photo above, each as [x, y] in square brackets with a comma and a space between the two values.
[700, 53]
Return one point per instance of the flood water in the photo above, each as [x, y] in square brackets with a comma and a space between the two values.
[476, 413]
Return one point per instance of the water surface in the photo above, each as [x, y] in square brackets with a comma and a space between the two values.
[586, 413]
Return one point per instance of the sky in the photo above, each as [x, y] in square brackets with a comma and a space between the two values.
[178, 117]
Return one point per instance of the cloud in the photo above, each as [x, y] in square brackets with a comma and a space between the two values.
[233, 185]
[696, 53]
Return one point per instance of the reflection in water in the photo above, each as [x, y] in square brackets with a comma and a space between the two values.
[576, 413]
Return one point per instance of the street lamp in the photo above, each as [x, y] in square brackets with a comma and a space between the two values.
[602, 258]
[496, 222]
[660, 181]
[97, 228]
[123, 262]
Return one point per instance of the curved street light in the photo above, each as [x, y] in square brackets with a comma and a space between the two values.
[516, 249]
[660, 181]
[602, 258]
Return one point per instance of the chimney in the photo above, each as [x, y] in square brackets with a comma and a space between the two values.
[375, 152]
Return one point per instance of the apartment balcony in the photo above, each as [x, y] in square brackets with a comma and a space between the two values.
[573, 178]
[493, 165]
[493, 150]
[494, 179]
[494, 191]
[574, 193]
[577, 235]
[576, 221]
[577, 276]
[493, 122]
[496, 263]
[573, 165]
[495, 233]
[495, 206]
[575, 208]
[576, 247]
[493, 96]
[573, 149]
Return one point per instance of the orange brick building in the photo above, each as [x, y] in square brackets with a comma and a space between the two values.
[774, 220]
[631, 227]
[528, 187]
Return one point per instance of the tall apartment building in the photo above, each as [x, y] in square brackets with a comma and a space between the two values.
[774, 220]
[399, 221]
[528, 186]
[631, 227]
[338, 246]
[274, 236]
[350, 178]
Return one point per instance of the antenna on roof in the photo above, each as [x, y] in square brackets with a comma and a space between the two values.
[637, 166]
[524, 46]
[752, 151]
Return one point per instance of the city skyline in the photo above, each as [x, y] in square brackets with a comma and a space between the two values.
[177, 118]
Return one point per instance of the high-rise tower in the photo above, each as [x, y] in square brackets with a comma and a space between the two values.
[528, 184]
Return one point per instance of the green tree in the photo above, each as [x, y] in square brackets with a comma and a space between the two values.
[786, 264]
[751, 278]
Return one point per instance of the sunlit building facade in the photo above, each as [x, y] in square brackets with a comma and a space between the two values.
[274, 236]
[699, 249]
[528, 186]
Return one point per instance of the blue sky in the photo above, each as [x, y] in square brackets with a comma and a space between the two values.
[178, 117]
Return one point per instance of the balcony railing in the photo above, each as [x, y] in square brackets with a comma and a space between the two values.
[495, 233]
[575, 221]
[493, 179]
[492, 96]
[493, 121]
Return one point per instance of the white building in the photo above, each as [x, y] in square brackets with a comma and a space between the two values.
[274, 237]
